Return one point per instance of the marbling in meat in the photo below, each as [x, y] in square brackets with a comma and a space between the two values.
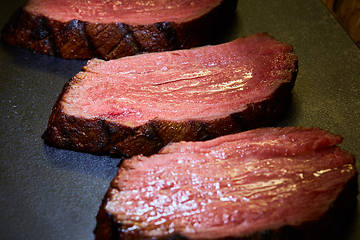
[270, 183]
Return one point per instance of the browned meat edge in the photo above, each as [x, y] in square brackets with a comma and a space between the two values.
[83, 40]
[332, 225]
[100, 136]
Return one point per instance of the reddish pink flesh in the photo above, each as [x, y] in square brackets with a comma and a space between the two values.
[233, 185]
[201, 84]
[124, 11]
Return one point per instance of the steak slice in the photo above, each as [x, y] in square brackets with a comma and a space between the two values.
[270, 183]
[136, 105]
[112, 29]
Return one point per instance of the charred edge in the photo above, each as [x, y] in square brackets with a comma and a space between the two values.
[268, 111]
[75, 26]
[202, 132]
[105, 28]
[51, 38]
[41, 29]
[104, 130]
[29, 31]
[116, 228]
[117, 152]
[67, 134]
[117, 231]
[57, 133]
[220, 127]
[240, 120]
[91, 37]
[97, 141]
[176, 236]
[263, 113]
[150, 131]
[55, 112]
[106, 228]
[46, 136]
[168, 31]
[129, 37]
[107, 56]
[90, 45]
[115, 134]
[143, 140]
[109, 133]
[37, 37]
[66, 131]
[73, 29]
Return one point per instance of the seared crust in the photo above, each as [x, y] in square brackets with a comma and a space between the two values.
[332, 225]
[84, 40]
[100, 136]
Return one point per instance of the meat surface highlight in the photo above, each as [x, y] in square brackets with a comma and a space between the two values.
[112, 29]
[138, 104]
[270, 183]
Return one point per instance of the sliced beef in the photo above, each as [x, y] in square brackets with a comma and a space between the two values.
[138, 104]
[112, 29]
[270, 183]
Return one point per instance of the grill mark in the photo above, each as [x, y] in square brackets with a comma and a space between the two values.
[116, 46]
[89, 42]
[129, 36]
[70, 32]
[51, 40]
[90, 38]
[41, 30]
[169, 33]
[102, 30]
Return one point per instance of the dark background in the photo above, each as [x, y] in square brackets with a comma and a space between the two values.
[47, 193]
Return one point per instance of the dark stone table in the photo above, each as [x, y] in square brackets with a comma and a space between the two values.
[47, 193]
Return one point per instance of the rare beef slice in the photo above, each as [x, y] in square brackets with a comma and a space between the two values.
[138, 104]
[270, 183]
[112, 29]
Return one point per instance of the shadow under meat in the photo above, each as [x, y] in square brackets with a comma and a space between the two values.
[94, 165]
[64, 68]
[227, 29]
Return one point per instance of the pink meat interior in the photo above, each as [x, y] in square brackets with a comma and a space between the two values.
[233, 185]
[200, 84]
[125, 11]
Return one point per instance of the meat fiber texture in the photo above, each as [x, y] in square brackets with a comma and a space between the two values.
[138, 104]
[271, 180]
[111, 29]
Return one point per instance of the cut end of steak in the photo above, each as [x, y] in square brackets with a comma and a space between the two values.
[126, 11]
[112, 29]
[136, 105]
[260, 184]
